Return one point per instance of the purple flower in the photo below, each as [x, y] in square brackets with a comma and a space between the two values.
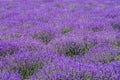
[6, 75]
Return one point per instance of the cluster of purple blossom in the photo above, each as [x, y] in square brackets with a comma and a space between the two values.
[60, 40]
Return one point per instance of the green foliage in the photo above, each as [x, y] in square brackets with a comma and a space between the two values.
[108, 61]
[85, 77]
[106, 58]
[2, 54]
[66, 30]
[117, 44]
[27, 70]
[84, 48]
[75, 50]
[72, 51]
[116, 26]
[63, 79]
[117, 57]
[43, 36]
[7, 52]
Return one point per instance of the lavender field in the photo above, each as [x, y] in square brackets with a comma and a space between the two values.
[59, 39]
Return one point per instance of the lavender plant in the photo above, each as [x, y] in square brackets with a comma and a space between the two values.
[59, 40]
[70, 47]
[6, 48]
[6, 75]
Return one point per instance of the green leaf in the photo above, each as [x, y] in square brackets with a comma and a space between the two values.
[27, 70]
[118, 57]
[66, 30]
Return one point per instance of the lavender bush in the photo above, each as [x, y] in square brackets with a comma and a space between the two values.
[59, 40]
